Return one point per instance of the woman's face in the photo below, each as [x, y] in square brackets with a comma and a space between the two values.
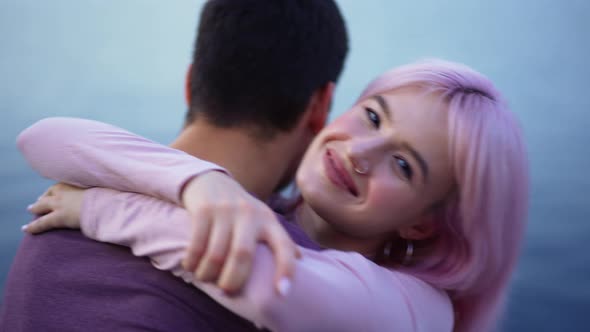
[381, 166]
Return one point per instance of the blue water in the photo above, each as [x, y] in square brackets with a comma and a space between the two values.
[123, 62]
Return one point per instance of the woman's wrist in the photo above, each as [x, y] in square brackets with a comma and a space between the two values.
[192, 186]
[89, 212]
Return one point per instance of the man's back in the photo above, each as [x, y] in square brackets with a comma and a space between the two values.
[62, 281]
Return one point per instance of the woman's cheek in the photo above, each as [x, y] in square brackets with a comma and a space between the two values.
[390, 202]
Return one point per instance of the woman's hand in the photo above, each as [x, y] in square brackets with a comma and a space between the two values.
[58, 207]
[228, 224]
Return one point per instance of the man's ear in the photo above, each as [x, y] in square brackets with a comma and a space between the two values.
[187, 85]
[320, 103]
[420, 231]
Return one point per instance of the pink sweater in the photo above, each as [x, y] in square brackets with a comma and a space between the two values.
[331, 291]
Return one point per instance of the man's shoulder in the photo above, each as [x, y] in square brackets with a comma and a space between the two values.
[64, 256]
[100, 286]
[62, 271]
[70, 250]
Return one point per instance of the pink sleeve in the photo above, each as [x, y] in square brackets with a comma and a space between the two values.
[331, 291]
[94, 154]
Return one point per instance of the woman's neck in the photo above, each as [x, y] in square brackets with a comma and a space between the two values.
[328, 236]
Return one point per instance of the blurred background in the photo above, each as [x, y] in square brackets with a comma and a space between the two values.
[124, 62]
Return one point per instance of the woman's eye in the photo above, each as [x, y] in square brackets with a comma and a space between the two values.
[404, 167]
[373, 117]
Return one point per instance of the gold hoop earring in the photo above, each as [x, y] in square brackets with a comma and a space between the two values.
[361, 167]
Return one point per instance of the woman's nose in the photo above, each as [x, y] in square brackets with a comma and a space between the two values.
[363, 153]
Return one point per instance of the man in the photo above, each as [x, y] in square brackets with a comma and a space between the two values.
[259, 88]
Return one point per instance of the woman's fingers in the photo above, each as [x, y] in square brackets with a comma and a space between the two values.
[43, 223]
[59, 207]
[222, 249]
[238, 265]
[219, 243]
[197, 247]
[49, 191]
[42, 206]
[286, 253]
[239, 261]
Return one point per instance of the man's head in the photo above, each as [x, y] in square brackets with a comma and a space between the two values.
[257, 63]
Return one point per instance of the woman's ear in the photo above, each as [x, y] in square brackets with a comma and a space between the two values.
[420, 231]
[320, 103]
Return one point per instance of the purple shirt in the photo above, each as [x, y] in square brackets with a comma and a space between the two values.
[63, 281]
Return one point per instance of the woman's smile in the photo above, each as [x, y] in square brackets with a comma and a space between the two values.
[337, 173]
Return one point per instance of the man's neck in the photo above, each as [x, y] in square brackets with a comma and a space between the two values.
[258, 166]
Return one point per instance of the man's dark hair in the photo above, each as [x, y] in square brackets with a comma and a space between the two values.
[256, 63]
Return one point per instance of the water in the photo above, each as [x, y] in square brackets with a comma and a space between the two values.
[123, 62]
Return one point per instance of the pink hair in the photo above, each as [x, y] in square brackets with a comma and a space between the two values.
[482, 224]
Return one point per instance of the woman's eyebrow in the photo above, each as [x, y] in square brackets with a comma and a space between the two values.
[381, 101]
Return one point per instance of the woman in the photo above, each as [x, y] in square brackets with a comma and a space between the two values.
[426, 176]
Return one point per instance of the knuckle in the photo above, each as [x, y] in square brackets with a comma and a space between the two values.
[56, 192]
[196, 252]
[242, 253]
[227, 206]
[50, 201]
[287, 244]
[204, 208]
[216, 206]
[214, 259]
[243, 205]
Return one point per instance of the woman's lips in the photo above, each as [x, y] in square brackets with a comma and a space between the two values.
[337, 173]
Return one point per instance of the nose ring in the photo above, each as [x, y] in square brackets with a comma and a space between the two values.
[361, 167]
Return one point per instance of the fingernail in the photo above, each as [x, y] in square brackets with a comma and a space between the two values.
[24, 227]
[30, 207]
[284, 286]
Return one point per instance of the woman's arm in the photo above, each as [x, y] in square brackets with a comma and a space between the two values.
[93, 154]
[89, 153]
[331, 291]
